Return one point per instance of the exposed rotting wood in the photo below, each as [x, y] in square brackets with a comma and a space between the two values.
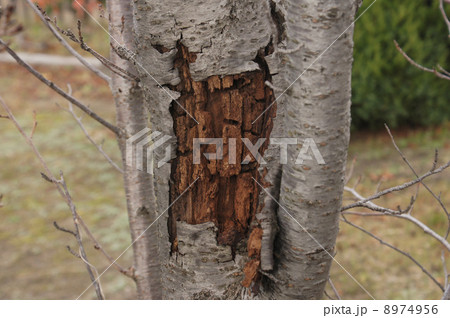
[225, 194]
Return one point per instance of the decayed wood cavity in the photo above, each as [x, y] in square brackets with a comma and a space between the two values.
[225, 193]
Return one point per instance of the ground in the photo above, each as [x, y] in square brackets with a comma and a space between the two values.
[35, 264]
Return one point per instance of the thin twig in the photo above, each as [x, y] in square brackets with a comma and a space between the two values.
[27, 139]
[372, 206]
[107, 63]
[420, 67]
[63, 191]
[79, 239]
[48, 175]
[336, 293]
[80, 40]
[444, 15]
[444, 265]
[394, 189]
[58, 90]
[71, 251]
[62, 229]
[35, 123]
[66, 45]
[443, 70]
[8, 27]
[328, 296]
[127, 272]
[437, 198]
[446, 295]
[123, 52]
[409, 218]
[71, 111]
[395, 249]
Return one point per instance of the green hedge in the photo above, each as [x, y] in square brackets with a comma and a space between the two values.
[386, 88]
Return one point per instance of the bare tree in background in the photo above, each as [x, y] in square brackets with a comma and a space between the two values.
[236, 69]
[407, 213]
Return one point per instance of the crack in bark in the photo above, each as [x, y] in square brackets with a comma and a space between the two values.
[279, 21]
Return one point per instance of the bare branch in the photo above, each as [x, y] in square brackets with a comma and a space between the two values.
[436, 197]
[64, 43]
[28, 140]
[444, 15]
[371, 206]
[335, 291]
[411, 219]
[58, 90]
[47, 178]
[123, 52]
[444, 265]
[328, 296]
[8, 27]
[62, 189]
[35, 123]
[406, 185]
[62, 229]
[80, 40]
[443, 70]
[80, 123]
[71, 251]
[127, 272]
[107, 63]
[446, 295]
[395, 249]
[420, 67]
[79, 239]
[64, 192]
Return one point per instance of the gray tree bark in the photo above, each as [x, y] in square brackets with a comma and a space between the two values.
[203, 66]
[132, 117]
[317, 106]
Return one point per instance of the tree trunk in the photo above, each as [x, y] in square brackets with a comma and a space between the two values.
[317, 106]
[132, 118]
[204, 68]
